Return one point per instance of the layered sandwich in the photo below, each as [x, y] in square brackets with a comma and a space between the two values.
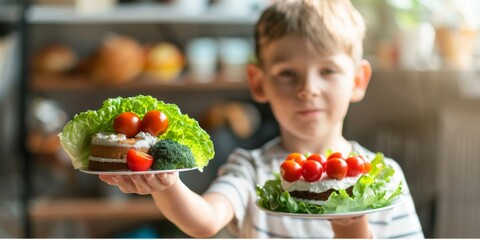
[108, 151]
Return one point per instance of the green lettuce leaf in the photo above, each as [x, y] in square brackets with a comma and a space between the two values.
[76, 135]
[372, 190]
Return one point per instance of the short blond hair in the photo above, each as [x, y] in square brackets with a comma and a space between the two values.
[332, 26]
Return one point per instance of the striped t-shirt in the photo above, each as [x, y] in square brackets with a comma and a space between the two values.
[244, 169]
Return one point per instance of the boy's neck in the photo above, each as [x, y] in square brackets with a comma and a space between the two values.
[332, 140]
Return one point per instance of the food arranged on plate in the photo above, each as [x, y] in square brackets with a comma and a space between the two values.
[315, 184]
[136, 134]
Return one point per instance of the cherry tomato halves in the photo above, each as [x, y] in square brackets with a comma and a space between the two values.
[312, 170]
[155, 122]
[138, 161]
[290, 170]
[127, 123]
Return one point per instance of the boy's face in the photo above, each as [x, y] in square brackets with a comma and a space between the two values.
[309, 94]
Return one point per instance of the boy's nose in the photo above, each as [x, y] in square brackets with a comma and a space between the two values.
[306, 95]
[308, 90]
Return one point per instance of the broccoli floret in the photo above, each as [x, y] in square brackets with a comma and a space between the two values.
[169, 154]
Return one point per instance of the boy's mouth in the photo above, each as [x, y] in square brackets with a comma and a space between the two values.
[310, 112]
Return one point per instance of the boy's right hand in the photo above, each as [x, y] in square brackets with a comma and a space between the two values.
[141, 184]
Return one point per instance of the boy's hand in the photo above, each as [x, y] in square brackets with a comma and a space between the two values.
[354, 227]
[141, 184]
[345, 221]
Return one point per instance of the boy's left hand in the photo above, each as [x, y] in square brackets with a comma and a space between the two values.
[346, 221]
[353, 227]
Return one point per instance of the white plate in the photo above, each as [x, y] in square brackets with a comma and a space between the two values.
[129, 172]
[332, 215]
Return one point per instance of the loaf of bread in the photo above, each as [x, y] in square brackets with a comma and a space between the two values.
[54, 59]
[118, 59]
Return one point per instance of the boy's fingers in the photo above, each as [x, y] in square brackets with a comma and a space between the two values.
[160, 181]
[142, 187]
[346, 221]
[167, 179]
[155, 184]
[107, 179]
[125, 184]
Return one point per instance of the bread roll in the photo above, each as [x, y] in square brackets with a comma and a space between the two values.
[119, 59]
[164, 61]
[54, 59]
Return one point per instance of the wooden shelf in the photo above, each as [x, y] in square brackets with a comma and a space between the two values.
[94, 209]
[134, 13]
[81, 83]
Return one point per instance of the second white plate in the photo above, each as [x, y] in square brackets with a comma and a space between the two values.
[332, 215]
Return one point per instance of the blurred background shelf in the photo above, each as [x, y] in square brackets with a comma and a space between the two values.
[80, 83]
[135, 13]
[95, 208]
[8, 62]
[9, 13]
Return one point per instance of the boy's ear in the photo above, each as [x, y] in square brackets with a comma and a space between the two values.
[255, 83]
[362, 78]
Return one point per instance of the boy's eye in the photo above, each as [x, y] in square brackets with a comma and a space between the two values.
[287, 74]
[327, 71]
[286, 77]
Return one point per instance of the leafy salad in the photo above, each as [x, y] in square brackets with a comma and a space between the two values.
[76, 135]
[375, 189]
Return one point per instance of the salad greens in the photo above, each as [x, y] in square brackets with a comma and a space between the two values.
[375, 189]
[76, 135]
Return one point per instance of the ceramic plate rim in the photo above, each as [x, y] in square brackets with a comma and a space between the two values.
[332, 215]
[129, 172]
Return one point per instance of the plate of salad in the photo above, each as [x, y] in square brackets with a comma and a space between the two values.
[378, 190]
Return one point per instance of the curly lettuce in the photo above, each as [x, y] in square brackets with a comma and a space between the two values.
[76, 135]
[372, 190]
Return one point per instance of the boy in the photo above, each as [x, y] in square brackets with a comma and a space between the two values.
[309, 69]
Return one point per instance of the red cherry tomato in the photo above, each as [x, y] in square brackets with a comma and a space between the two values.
[138, 161]
[336, 155]
[312, 170]
[368, 165]
[356, 166]
[127, 123]
[319, 158]
[290, 170]
[297, 157]
[155, 122]
[336, 168]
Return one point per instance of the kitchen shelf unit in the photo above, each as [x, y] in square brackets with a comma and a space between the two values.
[52, 209]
